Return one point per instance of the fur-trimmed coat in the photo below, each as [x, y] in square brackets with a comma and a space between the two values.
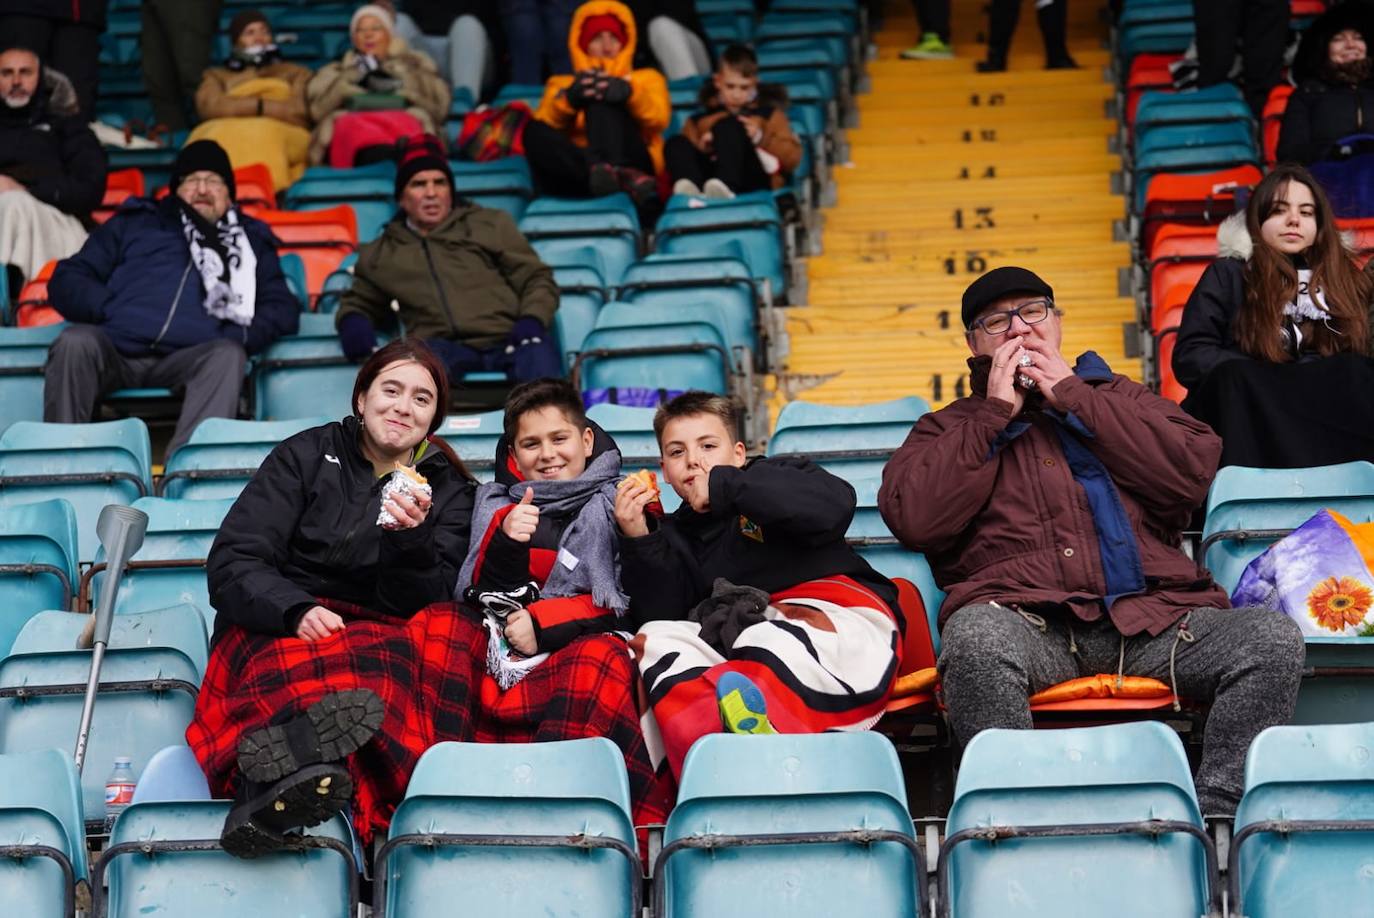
[48, 148]
[329, 90]
[1205, 336]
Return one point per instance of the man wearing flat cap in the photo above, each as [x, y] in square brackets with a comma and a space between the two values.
[173, 293]
[1061, 495]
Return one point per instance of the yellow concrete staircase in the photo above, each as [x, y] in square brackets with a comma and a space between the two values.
[952, 173]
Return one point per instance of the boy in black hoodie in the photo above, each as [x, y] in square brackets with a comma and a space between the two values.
[754, 614]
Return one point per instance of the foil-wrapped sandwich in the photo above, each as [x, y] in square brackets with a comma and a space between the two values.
[404, 480]
[1024, 381]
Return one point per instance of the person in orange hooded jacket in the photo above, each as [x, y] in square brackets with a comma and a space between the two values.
[599, 130]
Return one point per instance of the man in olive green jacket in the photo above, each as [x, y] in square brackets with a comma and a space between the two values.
[459, 276]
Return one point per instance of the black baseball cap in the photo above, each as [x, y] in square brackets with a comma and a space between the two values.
[998, 284]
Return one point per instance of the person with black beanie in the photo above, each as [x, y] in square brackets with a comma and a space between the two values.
[173, 293]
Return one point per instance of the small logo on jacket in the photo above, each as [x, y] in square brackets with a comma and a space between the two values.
[333, 459]
[750, 529]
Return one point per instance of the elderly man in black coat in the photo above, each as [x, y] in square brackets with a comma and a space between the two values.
[52, 169]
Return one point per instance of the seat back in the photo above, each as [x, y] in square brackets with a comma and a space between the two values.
[567, 788]
[753, 226]
[223, 454]
[1321, 772]
[42, 537]
[176, 627]
[673, 350]
[671, 281]
[784, 784]
[581, 293]
[851, 441]
[896, 561]
[91, 464]
[178, 530]
[322, 238]
[130, 720]
[23, 355]
[304, 375]
[614, 233]
[40, 804]
[1113, 774]
[474, 438]
[309, 883]
[1245, 498]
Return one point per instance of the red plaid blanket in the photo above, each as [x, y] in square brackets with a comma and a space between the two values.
[424, 670]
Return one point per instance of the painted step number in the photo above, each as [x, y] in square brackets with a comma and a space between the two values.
[981, 218]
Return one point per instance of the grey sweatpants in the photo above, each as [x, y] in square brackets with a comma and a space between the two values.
[1246, 662]
[84, 365]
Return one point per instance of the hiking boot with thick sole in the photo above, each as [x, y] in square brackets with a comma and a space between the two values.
[264, 814]
[329, 730]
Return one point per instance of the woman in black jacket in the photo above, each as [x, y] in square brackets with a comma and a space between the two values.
[1335, 94]
[1274, 342]
[337, 658]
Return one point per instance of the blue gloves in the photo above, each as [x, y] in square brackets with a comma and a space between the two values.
[526, 330]
[357, 337]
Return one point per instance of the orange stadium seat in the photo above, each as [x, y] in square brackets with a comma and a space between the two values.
[322, 238]
[918, 653]
[1272, 120]
[255, 189]
[1204, 199]
[1165, 339]
[1149, 73]
[32, 306]
[119, 185]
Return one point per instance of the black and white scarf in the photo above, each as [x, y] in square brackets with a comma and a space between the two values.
[226, 263]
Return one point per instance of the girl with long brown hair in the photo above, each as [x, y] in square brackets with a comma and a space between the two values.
[1274, 342]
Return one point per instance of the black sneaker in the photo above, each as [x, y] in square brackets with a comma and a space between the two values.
[264, 815]
[502, 603]
[329, 730]
[602, 180]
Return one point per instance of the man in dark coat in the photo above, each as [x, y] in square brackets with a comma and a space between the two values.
[1049, 504]
[173, 293]
[65, 34]
[52, 170]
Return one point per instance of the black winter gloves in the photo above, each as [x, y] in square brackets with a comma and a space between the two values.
[728, 611]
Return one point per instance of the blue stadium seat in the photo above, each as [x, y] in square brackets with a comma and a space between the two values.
[1158, 138]
[867, 527]
[164, 858]
[1016, 787]
[530, 94]
[835, 806]
[751, 223]
[1189, 160]
[223, 453]
[173, 773]
[633, 431]
[572, 795]
[503, 184]
[42, 838]
[851, 441]
[581, 293]
[145, 703]
[1305, 828]
[294, 270]
[91, 465]
[553, 235]
[669, 280]
[38, 562]
[1214, 104]
[23, 355]
[647, 348]
[474, 438]
[1248, 509]
[169, 568]
[894, 560]
[304, 375]
[177, 627]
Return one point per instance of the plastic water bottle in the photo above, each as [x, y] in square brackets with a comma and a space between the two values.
[119, 789]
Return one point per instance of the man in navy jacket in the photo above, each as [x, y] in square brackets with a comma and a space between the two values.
[173, 293]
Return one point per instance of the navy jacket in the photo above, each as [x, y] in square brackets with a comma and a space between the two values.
[134, 279]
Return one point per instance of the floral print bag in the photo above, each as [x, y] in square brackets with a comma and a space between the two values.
[1321, 575]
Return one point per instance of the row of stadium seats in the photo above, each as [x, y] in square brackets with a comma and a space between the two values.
[1100, 820]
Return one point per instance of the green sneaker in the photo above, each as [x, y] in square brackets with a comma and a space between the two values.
[742, 709]
[930, 48]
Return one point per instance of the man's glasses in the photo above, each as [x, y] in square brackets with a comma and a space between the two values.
[999, 323]
[213, 182]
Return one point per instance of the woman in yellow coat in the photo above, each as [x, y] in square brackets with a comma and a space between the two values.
[599, 130]
[254, 105]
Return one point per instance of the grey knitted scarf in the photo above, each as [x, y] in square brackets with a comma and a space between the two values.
[590, 538]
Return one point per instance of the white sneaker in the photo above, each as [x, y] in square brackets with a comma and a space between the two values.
[686, 186]
[718, 190]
